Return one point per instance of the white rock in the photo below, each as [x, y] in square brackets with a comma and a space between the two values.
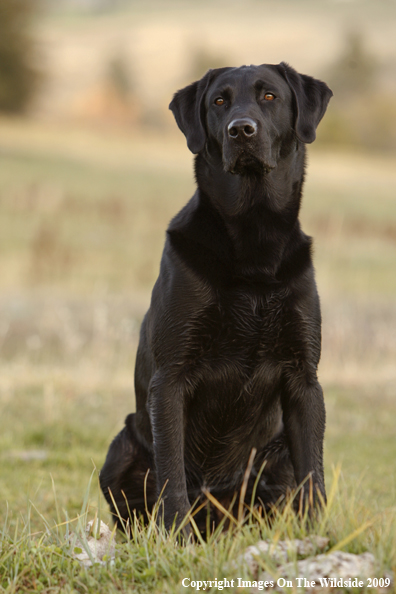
[335, 565]
[283, 550]
[99, 547]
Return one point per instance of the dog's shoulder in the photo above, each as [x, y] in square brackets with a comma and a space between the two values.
[190, 264]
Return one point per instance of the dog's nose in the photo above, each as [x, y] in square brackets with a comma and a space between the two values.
[242, 128]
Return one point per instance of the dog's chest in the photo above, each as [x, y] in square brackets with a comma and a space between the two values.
[242, 327]
[237, 366]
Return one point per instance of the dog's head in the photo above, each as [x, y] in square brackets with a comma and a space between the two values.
[250, 113]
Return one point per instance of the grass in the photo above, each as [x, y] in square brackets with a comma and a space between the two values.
[71, 225]
[75, 218]
[152, 561]
[82, 223]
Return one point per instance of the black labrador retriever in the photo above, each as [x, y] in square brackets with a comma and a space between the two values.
[228, 353]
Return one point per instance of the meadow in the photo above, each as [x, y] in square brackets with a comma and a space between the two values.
[83, 215]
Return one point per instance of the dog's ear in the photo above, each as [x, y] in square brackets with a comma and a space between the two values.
[311, 96]
[188, 108]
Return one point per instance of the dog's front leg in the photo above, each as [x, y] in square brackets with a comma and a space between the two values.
[166, 403]
[304, 421]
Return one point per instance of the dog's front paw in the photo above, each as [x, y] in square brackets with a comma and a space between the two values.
[174, 516]
[310, 500]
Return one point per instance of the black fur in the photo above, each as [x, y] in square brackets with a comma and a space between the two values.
[229, 348]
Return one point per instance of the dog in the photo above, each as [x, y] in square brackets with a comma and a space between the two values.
[226, 368]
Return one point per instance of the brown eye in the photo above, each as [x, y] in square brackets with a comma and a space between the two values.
[219, 101]
[269, 97]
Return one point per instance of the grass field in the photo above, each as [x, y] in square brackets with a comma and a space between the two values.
[82, 222]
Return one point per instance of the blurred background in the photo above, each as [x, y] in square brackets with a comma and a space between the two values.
[93, 167]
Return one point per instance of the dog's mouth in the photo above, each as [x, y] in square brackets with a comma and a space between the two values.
[248, 164]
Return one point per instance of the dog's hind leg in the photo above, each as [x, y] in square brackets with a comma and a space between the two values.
[276, 481]
[127, 478]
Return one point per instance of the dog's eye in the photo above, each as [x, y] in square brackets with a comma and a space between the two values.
[219, 101]
[269, 96]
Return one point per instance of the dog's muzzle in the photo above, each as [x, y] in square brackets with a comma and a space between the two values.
[245, 150]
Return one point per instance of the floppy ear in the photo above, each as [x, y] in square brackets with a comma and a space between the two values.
[311, 96]
[188, 108]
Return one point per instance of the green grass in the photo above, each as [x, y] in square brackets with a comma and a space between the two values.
[154, 562]
[81, 233]
[360, 436]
